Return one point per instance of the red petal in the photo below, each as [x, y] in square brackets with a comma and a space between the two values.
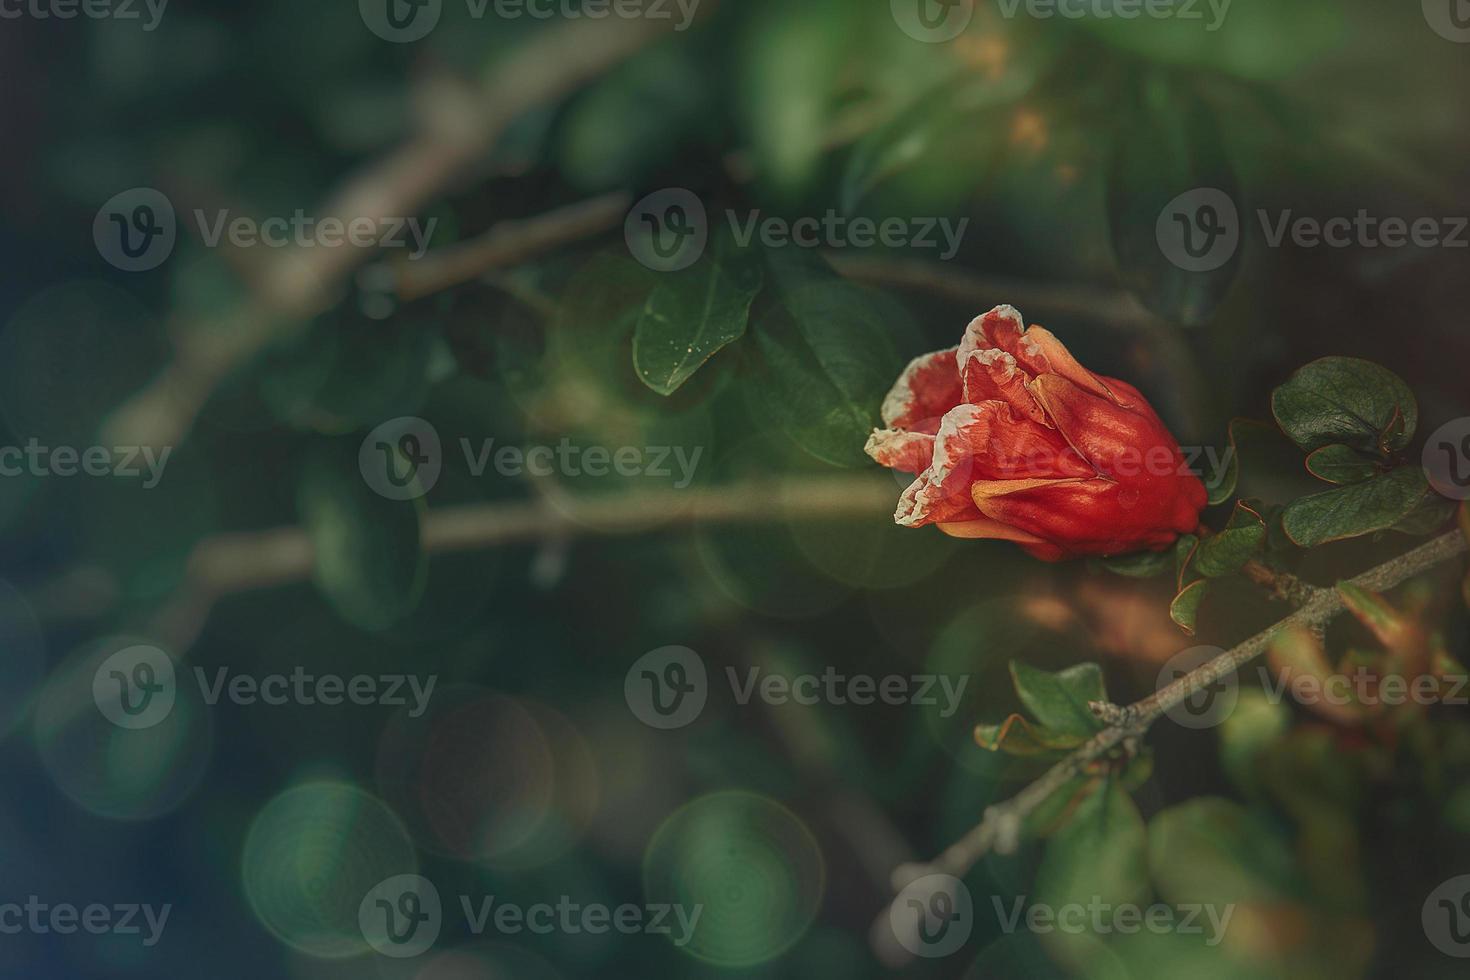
[992, 375]
[927, 388]
[984, 442]
[908, 452]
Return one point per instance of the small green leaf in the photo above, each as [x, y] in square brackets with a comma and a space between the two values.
[1184, 551]
[1247, 731]
[1017, 736]
[1346, 400]
[1340, 464]
[1389, 625]
[1355, 510]
[366, 548]
[1184, 610]
[692, 314]
[1059, 701]
[1140, 564]
[1223, 487]
[1225, 553]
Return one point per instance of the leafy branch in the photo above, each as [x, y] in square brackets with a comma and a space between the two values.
[1000, 829]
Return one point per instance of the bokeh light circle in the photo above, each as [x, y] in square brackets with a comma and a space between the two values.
[311, 855]
[750, 865]
[474, 776]
[113, 771]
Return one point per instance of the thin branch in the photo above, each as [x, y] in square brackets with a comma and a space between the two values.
[506, 243]
[1000, 828]
[237, 562]
[458, 126]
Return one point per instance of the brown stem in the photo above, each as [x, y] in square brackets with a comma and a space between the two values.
[1000, 828]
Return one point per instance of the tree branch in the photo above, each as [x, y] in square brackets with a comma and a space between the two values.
[458, 126]
[1000, 828]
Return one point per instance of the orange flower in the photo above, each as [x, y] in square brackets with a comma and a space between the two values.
[1012, 438]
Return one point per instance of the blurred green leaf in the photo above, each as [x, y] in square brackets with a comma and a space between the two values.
[1214, 851]
[1168, 145]
[1346, 400]
[1355, 510]
[1099, 855]
[693, 313]
[1059, 700]
[368, 562]
[1140, 564]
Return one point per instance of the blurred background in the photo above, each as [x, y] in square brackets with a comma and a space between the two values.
[530, 152]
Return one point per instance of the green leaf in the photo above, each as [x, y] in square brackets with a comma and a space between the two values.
[1432, 513]
[1184, 610]
[1100, 854]
[1168, 149]
[1140, 564]
[1355, 510]
[1346, 400]
[1214, 851]
[1224, 553]
[826, 359]
[1224, 486]
[1017, 736]
[1247, 731]
[1340, 464]
[693, 313]
[367, 556]
[1184, 551]
[1059, 700]
[1259, 41]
